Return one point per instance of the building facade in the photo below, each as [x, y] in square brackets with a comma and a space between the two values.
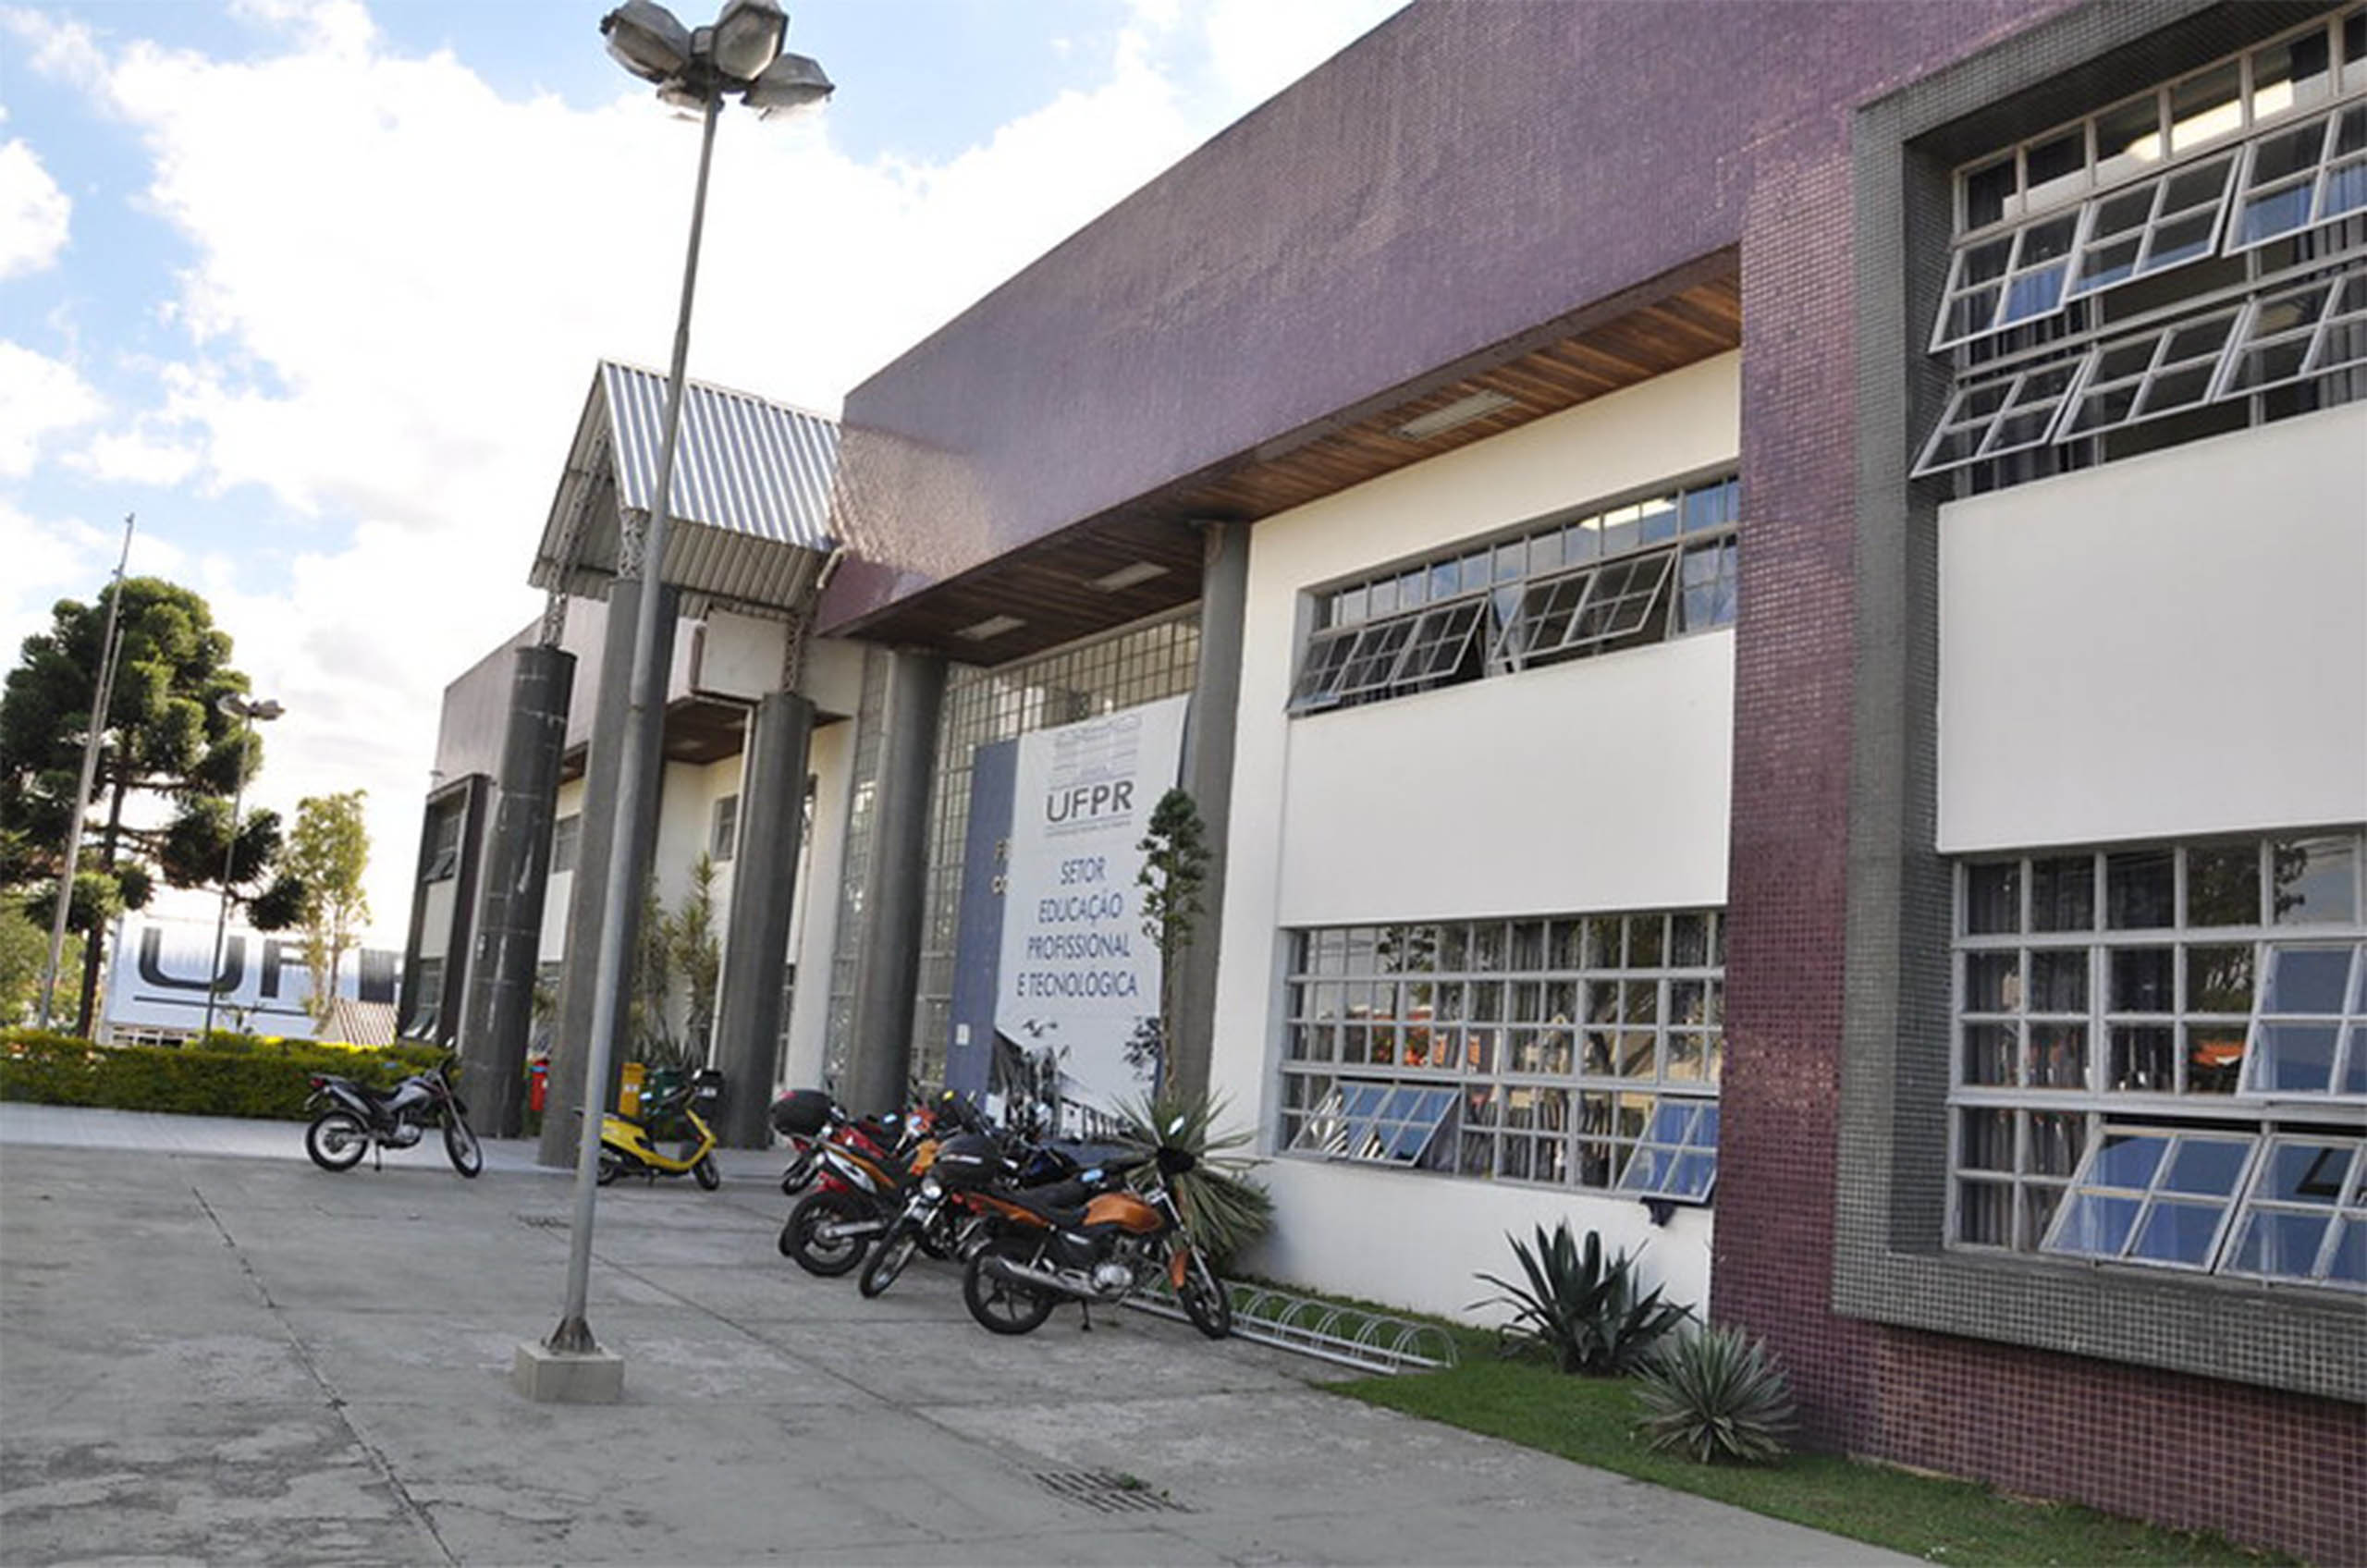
[1774, 605]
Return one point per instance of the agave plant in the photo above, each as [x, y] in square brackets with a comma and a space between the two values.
[1716, 1395]
[1585, 1311]
[1224, 1209]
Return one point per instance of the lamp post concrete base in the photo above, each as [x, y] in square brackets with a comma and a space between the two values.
[553, 1376]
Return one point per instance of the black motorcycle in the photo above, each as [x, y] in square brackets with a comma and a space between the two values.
[355, 1120]
[943, 1215]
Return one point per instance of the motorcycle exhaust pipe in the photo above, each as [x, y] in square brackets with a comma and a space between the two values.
[1051, 1281]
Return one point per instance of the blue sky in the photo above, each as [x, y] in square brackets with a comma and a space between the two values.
[316, 288]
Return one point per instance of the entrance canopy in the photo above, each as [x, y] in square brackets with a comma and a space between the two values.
[750, 498]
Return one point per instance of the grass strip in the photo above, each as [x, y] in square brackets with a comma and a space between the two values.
[1591, 1421]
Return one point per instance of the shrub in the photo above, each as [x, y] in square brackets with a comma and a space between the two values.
[1580, 1309]
[1223, 1206]
[251, 1077]
[1716, 1395]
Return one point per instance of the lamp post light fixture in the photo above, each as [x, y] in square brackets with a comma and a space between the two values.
[739, 55]
[249, 714]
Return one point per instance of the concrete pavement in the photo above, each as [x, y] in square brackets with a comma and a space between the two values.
[211, 1352]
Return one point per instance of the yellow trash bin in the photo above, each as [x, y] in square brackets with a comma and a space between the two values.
[628, 1091]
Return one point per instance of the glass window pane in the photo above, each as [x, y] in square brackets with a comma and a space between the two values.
[2313, 880]
[2214, 1057]
[2094, 1225]
[2140, 889]
[1985, 1213]
[2063, 894]
[2058, 1055]
[2128, 1159]
[2144, 1059]
[2297, 1058]
[2281, 1244]
[2223, 885]
[2206, 1167]
[2348, 1265]
[2178, 1232]
[2298, 1170]
[1985, 1140]
[2057, 1140]
[2141, 979]
[1993, 898]
[2307, 980]
[2219, 978]
[2129, 136]
[1987, 191]
[2204, 106]
[2059, 980]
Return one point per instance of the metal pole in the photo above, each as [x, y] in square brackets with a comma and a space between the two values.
[100, 700]
[229, 864]
[573, 1335]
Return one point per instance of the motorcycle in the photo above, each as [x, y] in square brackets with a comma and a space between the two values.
[355, 1120]
[1041, 1253]
[808, 1118]
[631, 1145]
[940, 1215]
[861, 1172]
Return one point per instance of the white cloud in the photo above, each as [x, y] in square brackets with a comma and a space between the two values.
[39, 397]
[35, 216]
[390, 320]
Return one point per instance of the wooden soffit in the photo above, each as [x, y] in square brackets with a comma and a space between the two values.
[1051, 586]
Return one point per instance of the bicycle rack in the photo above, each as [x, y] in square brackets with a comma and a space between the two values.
[1350, 1336]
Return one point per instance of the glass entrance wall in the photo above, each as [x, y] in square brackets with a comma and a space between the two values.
[1142, 664]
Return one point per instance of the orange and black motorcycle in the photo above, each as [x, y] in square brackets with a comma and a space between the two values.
[862, 1171]
[1041, 1252]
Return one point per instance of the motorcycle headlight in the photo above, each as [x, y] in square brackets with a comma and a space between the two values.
[931, 1188]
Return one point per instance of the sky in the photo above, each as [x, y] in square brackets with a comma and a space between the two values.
[314, 289]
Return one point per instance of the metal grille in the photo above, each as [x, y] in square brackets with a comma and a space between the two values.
[1107, 1492]
[1142, 664]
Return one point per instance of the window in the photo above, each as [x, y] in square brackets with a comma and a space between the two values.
[443, 854]
[567, 844]
[2144, 1034]
[2103, 279]
[1663, 567]
[723, 833]
[1575, 1051]
[426, 1015]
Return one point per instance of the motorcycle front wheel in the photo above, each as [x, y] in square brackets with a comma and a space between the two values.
[612, 1165]
[1206, 1301]
[337, 1140]
[889, 1258]
[707, 1173]
[805, 1242]
[999, 1306]
[460, 1144]
[801, 1172]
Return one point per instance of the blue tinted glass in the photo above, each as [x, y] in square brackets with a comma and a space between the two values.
[1696, 1173]
[2178, 1232]
[1647, 1171]
[2354, 1072]
[2297, 1058]
[1668, 1122]
[2205, 1165]
[2349, 1264]
[1359, 1101]
[2306, 1172]
[2306, 980]
[1705, 1132]
[2283, 1245]
[2094, 1226]
[2128, 1159]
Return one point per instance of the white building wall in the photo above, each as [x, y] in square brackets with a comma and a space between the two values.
[2167, 645]
[1596, 786]
[552, 946]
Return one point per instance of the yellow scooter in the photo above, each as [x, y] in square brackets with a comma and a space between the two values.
[630, 1145]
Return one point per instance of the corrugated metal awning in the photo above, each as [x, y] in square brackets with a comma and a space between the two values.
[750, 498]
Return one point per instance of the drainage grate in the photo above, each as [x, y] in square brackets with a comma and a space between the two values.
[544, 1221]
[1108, 1493]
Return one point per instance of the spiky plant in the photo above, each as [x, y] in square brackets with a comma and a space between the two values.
[1716, 1396]
[1222, 1206]
[1583, 1309]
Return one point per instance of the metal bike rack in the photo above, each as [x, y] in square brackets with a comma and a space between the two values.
[1351, 1336]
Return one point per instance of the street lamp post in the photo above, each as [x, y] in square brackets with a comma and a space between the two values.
[249, 714]
[740, 56]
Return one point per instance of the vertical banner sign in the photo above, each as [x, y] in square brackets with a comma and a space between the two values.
[1079, 980]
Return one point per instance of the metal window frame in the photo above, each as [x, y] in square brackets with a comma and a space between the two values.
[2348, 1208]
[1695, 1136]
[2154, 1194]
[2319, 175]
[2347, 1021]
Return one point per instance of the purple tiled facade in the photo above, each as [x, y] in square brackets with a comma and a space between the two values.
[1443, 186]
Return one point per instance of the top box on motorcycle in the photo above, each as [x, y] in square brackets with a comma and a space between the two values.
[802, 1113]
[970, 1160]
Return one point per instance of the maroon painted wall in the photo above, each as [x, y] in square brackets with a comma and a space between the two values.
[1466, 172]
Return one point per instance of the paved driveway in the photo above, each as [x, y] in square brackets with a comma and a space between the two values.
[211, 1352]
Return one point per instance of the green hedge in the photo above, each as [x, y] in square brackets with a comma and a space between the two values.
[228, 1075]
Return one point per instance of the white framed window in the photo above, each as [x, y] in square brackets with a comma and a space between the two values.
[1560, 1050]
[2304, 1218]
[1660, 567]
[2311, 175]
[567, 844]
[2139, 1030]
[723, 829]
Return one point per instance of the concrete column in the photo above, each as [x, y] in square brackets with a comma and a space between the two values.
[570, 1043]
[1207, 776]
[895, 885]
[763, 895]
[500, 1009]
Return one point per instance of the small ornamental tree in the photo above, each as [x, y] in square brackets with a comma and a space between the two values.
[328, 852]
[1175, 867]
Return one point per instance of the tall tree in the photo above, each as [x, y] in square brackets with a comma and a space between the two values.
[170, 765]
[328, 852]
